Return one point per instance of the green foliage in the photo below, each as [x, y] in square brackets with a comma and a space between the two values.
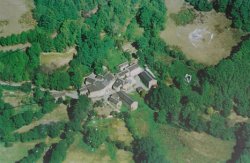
[59, 80]
[79, 113]
[41, 131]
[59, 152]
[165, 98]
[94, 136]
[243, 142]
[202, 5]
[50, 14]
[146, 150]
[34, 154]
[15, 66]
[218, 128]
[237, 10]
[184, 17]
[112, 150]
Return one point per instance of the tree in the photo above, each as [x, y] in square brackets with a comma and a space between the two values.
[94, 136]
[59, 80]
[146, 150]
[165, 98]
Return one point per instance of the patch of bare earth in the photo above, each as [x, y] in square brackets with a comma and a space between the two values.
[207, 40]
[53, 60]
[15, 47]
[18, 15]
[233, 119]
[15, 98]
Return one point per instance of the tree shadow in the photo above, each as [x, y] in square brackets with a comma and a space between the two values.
[47, 156]
[239, 147]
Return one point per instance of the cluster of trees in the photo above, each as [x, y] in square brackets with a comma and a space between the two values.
[78, 113]
[244, 139]
[214, 92]
[42, 131]
[202, 5]
[59, 151]
[34, 154]
[147, 150]
[94, 137]
[237, 10]
[10, 121]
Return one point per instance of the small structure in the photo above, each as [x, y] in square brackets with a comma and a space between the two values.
[127, 85]
[188, 78]
[83, 90]
[123, 66]
[123, 74]
[115, 100]
[139, 90]
[100, 86]
[133, 105]
[147, 79]
[89, 80]
[118, 84]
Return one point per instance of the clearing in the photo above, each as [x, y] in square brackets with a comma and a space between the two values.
[53, 60]
[14, 47]
[17, 21]
[59, 114]
[80, 152]
[116, 129]
[15, 98]
[207, 40]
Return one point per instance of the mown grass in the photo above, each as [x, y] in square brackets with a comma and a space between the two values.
[114, 58]
[116, 129]
[80, 152]
[183, 17]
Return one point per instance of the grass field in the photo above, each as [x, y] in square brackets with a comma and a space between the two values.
[114, 58]
[207, 40]
[17, 14]
[51, 61]
[15, 98]
[116, 129]
[80, 152]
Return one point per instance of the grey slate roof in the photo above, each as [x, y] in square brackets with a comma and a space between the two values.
[96, 87]
[90, 80]
[118, 83]
[114, 100]
[125, 98]
[133, 67]
[145, 77]
[122, 73]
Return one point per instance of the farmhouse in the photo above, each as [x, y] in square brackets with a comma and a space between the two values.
[114, 88]
[135, 69]
[133, 105]
[115, 100]
[147, 79]
[100, 85]
[118, 84]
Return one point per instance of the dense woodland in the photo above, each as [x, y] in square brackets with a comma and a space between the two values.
[237, 10]
[202, 105]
